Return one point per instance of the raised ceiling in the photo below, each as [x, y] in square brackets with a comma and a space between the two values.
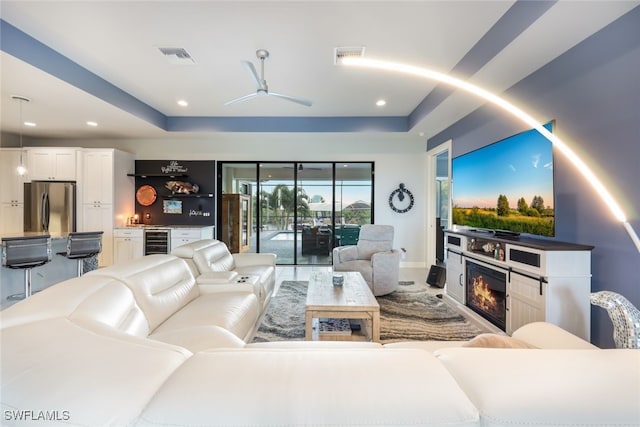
[101, 62]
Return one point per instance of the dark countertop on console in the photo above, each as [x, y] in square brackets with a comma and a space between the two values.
[530, 242]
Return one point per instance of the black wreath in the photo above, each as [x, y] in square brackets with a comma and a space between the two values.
[401, 191]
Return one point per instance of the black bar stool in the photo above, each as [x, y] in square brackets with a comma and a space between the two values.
[83, 245]
[25, 253]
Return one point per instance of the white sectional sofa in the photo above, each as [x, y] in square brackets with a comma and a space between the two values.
[141, 344]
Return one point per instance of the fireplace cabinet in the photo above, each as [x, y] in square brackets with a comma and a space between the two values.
[545, 280]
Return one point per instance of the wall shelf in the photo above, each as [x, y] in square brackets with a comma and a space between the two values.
[157, 175]
[175, 196]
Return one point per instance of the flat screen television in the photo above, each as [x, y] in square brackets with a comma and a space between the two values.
[507, 186]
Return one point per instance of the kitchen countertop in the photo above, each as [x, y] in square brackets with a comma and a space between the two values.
[151, 226]
[54, 236]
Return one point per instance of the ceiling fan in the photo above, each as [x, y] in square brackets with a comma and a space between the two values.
[261, 84]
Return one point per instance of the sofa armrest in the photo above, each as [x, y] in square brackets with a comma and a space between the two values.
[211, 288]
[386, 263]
[547, 335]
[344, 253]
[247, 259]
[217, 277]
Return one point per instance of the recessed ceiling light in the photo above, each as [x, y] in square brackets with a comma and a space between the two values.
[31, 124]
[90, 123]
[183, 103]
[381, 102]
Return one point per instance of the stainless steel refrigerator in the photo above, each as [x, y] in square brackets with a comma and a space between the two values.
[50, 206]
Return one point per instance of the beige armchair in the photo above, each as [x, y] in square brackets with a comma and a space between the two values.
[373, 256]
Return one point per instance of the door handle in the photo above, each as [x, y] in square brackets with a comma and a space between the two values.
[47, 211]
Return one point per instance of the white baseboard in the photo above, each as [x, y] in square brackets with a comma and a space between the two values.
[404, 264]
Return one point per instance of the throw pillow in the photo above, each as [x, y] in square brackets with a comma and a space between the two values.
[496, 341]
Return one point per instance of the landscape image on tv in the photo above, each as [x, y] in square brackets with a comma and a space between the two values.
[507, 185]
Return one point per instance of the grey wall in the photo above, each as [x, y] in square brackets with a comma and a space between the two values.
[593, 93]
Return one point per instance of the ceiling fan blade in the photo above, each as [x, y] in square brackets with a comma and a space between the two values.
[241, 99]
[254, 74]
[295, 99]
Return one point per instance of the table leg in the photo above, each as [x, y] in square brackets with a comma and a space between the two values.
[375, 327]
[308, 326]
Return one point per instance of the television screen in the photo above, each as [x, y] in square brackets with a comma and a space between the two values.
[507, 185]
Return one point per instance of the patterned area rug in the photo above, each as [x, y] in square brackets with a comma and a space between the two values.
[410, 313]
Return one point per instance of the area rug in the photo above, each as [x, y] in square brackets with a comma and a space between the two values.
[410, 313]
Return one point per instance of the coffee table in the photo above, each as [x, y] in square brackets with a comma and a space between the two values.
[352, 300]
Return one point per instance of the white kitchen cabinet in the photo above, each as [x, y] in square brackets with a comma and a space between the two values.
[12, 221]
[183, 235]
[52, 164]
[106, 195]
[11, 191]
[97, 176]
[127, 244]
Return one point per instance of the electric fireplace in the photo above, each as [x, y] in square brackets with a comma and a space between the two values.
[486, 293]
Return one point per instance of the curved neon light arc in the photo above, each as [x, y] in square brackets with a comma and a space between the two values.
[602, 191]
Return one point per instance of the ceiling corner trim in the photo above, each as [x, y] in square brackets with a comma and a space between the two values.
[31, 51]
[24, 47]
[287, 124]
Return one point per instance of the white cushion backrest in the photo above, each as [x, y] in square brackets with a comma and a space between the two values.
[374, 238]
[161, 284]
[115, 306]
[59, 300]
[214, 257]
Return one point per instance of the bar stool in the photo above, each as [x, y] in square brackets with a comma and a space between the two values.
[25, 253]
[83, 245]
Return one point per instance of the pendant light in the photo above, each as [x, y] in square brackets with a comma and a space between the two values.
[21, 169]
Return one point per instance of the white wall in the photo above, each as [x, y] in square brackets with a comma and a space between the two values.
[399, 158]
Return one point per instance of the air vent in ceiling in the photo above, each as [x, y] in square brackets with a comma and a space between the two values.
[347, 52]
[177, 55]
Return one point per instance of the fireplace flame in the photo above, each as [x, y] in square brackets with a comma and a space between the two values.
[483, 296]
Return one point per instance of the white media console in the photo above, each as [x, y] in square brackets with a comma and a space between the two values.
[542, 280]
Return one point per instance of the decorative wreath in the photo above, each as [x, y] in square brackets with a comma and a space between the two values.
[401, 193]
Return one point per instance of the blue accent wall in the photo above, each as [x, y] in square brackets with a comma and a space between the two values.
[593, 93]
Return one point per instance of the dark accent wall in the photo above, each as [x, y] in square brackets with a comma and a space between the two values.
[197, 209]
[593, 93]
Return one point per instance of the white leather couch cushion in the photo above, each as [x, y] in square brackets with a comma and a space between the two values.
[113, 305]
[99, 376]
[161, 284]
[312, 387]
[213, 277]
[429, 346]
[213, 257]
[236, 312]
[549, 387]
[56, 301]
[212, 263]
[198, 338]
[548, 335]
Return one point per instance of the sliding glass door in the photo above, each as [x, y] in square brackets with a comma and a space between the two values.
[276, 231]
[299, 210]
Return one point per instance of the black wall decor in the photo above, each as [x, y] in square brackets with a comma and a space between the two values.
[184, 192]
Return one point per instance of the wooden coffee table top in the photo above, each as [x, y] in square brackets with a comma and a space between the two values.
[353, 295]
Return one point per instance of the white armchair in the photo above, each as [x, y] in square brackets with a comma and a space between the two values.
[373, 256]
